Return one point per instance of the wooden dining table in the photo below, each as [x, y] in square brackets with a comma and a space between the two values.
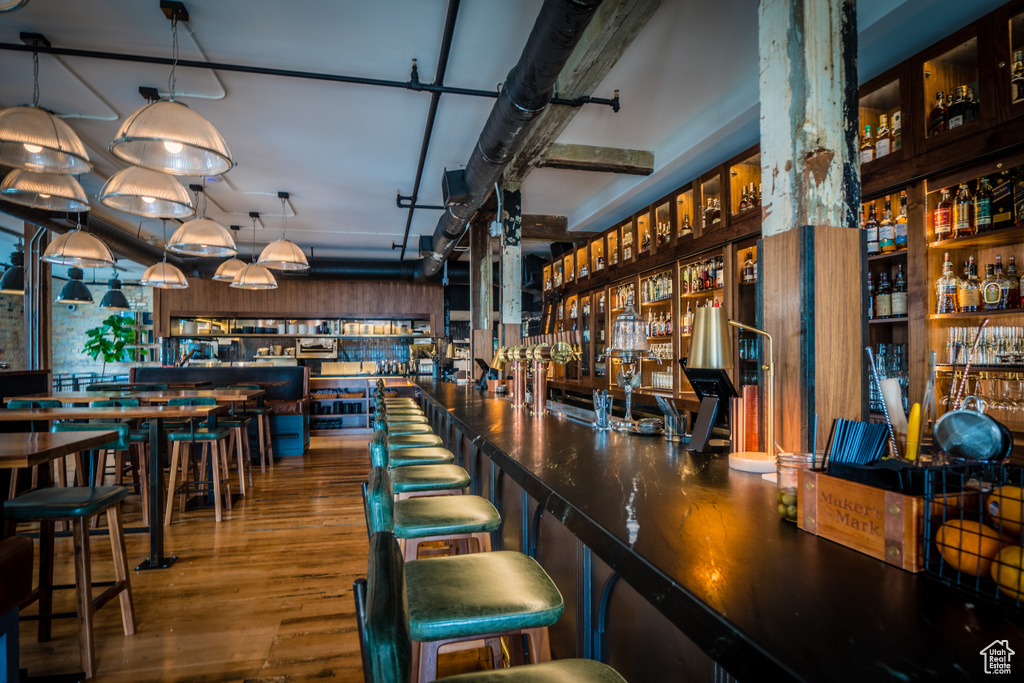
[164, 396]
[155, 414]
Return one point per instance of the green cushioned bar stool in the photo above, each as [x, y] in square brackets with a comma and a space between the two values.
[449, 519]
[77, 504]
[118, 446]
[24, 404]
[428, 480]
[416, 452]
[445, 600]
[214, 443]
[381, 420]
[399, 429]
[238, 438]
[262, 417]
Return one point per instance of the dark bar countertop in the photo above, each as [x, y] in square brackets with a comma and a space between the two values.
[706, 546]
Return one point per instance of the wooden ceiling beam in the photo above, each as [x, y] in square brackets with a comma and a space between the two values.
[610, 32]
[601, 159]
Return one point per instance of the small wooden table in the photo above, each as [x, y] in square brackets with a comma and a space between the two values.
[157, 452]
[75, 397]
[27, 449]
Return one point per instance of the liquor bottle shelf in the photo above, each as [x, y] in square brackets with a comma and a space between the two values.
[901, 254]
[993, 238]
[1003, 367]
[666, 300]
[702, 293]
[978, 314]
[882, 321]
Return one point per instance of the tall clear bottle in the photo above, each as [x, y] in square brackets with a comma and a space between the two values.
[970, 290]
[946, 295]
[963, 212]
[871, 226]
[899, 294]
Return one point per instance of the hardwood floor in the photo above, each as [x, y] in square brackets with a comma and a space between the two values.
[265, 596]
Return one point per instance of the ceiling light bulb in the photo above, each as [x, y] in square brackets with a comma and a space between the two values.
[33, 149]
[149, 200]
[45, 196]
[173, 147]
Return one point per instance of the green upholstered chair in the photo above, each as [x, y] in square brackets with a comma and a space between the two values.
[77, 504]
[213, 443]
[449, 519]
[408, 610]
[262, 416]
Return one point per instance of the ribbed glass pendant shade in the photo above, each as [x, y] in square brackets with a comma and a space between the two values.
[33, 139]
[74, 290]
[114, 299]
[143, 192]
[254, 276]
[202, 237]
[227, 271]
[47, 191]
[13, 281]
[163, 275]
[78, 248]
[169, 137]
[283, 255]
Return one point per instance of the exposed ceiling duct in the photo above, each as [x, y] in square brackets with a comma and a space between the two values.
[527, 91]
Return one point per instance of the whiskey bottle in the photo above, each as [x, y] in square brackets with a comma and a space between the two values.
[937, 117]
[867, 146]
[685, 228]
[970, 289]
[942, 217]
[991, 292]
[688, 320]
[901, 223]
[744, 201]
[883, 297]
[899, 294]
[1006, 288]
[871, 225]
[955, 113]
[871, 298]
[749, 271]
[963, 213]
[1017, 76]
[1013, 298]
[887, 231]
[1002, 200]
[883, 138]
[947, 299]
[983, 207]
[897, 131]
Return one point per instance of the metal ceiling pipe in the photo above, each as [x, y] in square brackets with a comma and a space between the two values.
[396, 271]
[123, 244]
[527, 92]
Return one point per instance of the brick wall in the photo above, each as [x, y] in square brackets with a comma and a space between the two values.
[12, 330]
[70, 326]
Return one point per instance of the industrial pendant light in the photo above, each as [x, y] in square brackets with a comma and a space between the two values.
[164, 275]
[167, 136]
[114, 299]
[78, 248]
[74, 290]
[33, 139]
[11, 5]
[13, 281]
[282, 254]
[47, 191]
[227, 271]
[253, 275]
[146, 193]
[202, 236]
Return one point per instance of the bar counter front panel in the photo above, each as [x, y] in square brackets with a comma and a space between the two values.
[712, 581]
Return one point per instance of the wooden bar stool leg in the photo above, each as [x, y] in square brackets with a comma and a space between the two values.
[494, 645]
[540, 644]
[175, 455]
[265, 432]
[236, 437]
[248, 456]
[428, 661]
[121, 568]
[226, 476]
[143, 482]
[83, 596]
[215, 467]
[45, 589]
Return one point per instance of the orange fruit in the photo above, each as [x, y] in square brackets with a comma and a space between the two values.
[1006, 571]
[1006, 507]
[968, 546]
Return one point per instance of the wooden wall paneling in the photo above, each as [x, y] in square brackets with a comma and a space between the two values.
[920, 294]
[295, 298]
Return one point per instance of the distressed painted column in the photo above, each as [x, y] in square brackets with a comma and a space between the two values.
[812, 255]
[511, 265]
[481, 281]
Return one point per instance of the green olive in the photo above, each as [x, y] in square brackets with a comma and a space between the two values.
[789, 499]
[782, 509]
[791, 512]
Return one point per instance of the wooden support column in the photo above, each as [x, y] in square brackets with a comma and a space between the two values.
[813, 259]
[481, 281]
[38, 303]
[511, 265]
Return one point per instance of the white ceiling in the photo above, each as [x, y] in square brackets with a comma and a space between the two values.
[688, 85]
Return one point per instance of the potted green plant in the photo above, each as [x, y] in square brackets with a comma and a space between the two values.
[109, 340]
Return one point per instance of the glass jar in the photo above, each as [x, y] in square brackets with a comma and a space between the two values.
[789, 466]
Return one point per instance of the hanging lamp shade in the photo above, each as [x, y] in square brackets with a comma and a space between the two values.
[33, 139]
[78, 248]
[202, 237]
[47, 191]
[254, 276]
[283, 254]
[13, 281]
[163, 275]
[74, 290]
[114, 299]
[227, 271]
[143, 192]
[169, 137]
